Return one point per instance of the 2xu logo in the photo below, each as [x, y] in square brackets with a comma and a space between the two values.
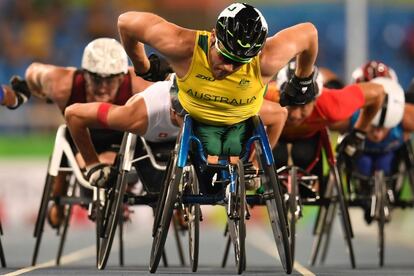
[200, 76]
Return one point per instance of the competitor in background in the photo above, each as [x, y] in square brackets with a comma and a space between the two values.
[104, 76]
[326, 109]
[390, 128]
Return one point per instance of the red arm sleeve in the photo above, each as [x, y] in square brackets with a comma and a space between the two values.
[339, 104]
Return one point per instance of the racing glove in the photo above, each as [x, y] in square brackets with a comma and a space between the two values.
[158, 71]
[299, 91]
[353, 143]
[98, 174]
[21, 89]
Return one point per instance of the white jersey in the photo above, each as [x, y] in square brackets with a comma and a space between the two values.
[158, 103]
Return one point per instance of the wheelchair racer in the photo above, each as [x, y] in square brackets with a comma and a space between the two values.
[221, 75]
[328, 107]
[104, 76]
[389, 129]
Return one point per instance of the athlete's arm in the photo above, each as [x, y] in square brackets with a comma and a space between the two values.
[274, 118]
[408, 118]
[374, 95]
[138, 84]
[172, 41]
[300, 40]
[50, 82]
[130, 117]
[338, 105]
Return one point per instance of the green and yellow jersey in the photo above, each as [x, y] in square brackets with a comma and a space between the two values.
[236, 98]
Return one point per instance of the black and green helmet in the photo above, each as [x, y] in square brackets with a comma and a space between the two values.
[241, 31]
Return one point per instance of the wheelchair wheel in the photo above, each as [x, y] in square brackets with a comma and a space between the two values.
[236, 219]
[292, 208]
[2, 257]
[276, 210]
[164, 216]
[68, 212]
[345, 219]
[380, 197]
[111, 212]
[193, 215]
[41, 216]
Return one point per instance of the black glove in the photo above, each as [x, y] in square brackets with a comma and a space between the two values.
[158, 71]
[21, 89]
[353, 143]
[299, 91]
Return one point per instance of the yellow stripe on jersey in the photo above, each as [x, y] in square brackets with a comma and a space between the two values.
[220, 102]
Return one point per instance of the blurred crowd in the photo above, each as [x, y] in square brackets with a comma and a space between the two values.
[56, 31]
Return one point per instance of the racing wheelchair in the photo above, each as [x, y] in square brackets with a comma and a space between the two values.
[188, 182]
[149, 161]
[378, 194]
[302, 187]
[63, 159]
[2, 257]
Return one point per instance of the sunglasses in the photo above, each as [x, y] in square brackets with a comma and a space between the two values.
[224, 58]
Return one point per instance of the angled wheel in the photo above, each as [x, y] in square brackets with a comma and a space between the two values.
[163, 216]
[292, 207]
[111, 213]
[2, 257]
[276, 210]
[236, 219]
[380, 205]
[343, 208]
[41, 217]
[193, 213]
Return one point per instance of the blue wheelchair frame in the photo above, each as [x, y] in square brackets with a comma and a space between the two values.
[231, 175]
[188, 136]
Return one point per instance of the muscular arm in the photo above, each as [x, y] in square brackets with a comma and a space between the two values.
[374, 96]
[130, 117]
[49, 81]
[274, 118]
[300, 40]
[174, 42]
[408, 118]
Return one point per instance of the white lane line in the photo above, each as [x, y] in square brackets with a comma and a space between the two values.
[262, 245]
[72, 257]
[67, 259]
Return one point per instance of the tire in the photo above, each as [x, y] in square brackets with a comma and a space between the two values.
[293, 183]
[194, 213]
[380, 190]
[237, 226]
[345, 219]
[41, 217]
[163, 220]
[276, 210]
[2, 257]
[110, 217]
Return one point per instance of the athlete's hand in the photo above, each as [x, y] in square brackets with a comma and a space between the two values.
[158, 71]
[353, 143]
[21, 89]
[299, 91]
[98, 174]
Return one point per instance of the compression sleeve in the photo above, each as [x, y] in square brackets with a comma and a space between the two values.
[339, 104]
